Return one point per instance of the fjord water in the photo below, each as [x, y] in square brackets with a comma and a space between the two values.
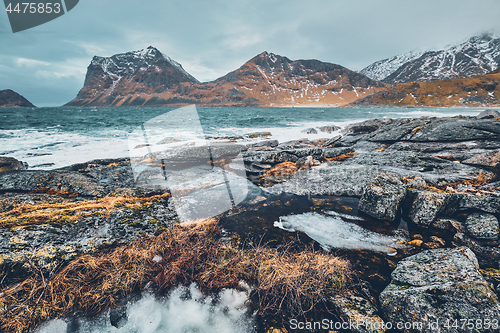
[48, 138]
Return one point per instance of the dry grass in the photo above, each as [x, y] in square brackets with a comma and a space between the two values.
[285, 282]
[341, 157]
[68, 212]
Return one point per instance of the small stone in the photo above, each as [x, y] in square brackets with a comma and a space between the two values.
[417, 236]
[157, 258]
[417, 183]
[448, 224]
[431, 245]
[329, 129]
[482, 226]
[415, 242]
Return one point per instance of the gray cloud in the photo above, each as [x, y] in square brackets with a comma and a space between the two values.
[47, 64]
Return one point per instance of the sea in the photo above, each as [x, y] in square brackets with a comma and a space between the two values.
[53, 137]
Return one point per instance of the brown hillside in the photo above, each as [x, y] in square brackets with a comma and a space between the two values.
[480, 90]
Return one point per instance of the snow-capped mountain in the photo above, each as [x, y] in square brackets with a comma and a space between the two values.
[149, 78]
[146, 71]
[477, 55]
[381, 69]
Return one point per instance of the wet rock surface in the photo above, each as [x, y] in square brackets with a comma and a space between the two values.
[10, 164]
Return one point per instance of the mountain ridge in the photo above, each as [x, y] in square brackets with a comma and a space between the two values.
[265, 80]
[479, 54]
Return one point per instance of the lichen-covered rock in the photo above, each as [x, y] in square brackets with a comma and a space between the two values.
[427, 206]
[482, 226]
[382, 197]
[487, 253]
[436, 287]
[362, 311]
[488, 204]
[10, 164]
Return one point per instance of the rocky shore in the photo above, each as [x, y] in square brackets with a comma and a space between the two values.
[439, 175]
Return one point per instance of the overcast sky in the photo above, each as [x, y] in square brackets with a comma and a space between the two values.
[47, 64]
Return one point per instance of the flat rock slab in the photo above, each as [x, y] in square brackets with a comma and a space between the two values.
[488, 204]
[482, 226]
[490, 160]
[436, 287]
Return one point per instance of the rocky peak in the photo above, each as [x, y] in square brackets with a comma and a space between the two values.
[9, 98]
[131, 63]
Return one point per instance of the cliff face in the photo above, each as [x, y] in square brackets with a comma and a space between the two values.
[147, 78]
[9, 98]
[118, 80]
[480, 90]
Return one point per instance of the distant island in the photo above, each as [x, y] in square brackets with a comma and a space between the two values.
[463, 75]
[9, 98]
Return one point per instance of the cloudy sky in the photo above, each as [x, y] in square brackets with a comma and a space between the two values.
[47, 64]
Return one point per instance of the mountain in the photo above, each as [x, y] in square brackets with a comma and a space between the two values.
[266, 80]
[477, 55]
[475, 91]
[117, 79]
[9, 98]
[381, 69]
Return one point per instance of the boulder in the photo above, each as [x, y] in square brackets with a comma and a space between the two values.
[426, 206]
[310, 131]
[264, 144]
[488, 114]
[417, 183]
[10, 164]
[382, 197]
[482, 226]
[433, 289]
[329, 129]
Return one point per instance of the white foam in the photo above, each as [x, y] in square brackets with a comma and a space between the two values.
[185, 310]
[333, 232]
